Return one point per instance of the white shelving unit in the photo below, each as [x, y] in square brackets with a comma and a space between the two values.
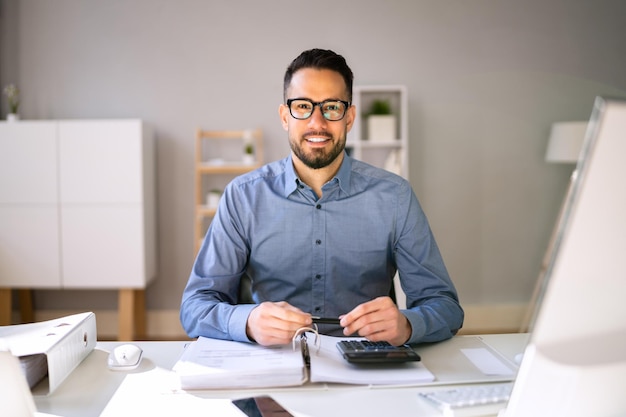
[391, 154]
[219, 160]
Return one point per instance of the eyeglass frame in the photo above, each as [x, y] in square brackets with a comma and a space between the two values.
[319, 104]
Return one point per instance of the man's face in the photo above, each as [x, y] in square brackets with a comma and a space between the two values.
[315, 141]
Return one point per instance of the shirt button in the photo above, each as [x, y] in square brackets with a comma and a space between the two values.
[318, 276]
[319, 206]
[318, 309]
[318, 242]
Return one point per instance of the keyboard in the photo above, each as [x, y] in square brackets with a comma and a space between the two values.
[470, 400]
[364, 351]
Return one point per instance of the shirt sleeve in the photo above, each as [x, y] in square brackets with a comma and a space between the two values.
[209, 304]
[433, 308]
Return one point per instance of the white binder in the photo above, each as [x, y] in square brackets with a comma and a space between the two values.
[57, 345]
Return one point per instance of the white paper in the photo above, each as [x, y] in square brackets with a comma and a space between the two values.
[328, 365]
[156, 393]
[213, 363]
[216, 364]
[487, 362]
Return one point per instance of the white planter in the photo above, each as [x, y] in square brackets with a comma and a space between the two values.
[213, 199]
[381, 127]
[248, 159]
[13, 117]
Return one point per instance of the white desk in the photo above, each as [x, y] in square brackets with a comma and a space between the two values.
[92, 389]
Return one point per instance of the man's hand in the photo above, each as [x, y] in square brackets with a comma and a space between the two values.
[275, 323]
[378, 320]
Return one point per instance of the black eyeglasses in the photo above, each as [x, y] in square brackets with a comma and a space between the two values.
[302, 108]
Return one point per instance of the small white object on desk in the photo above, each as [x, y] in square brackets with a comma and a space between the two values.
[487, 362]
[125, 357]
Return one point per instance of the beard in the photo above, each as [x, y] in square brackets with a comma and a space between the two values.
[317, 158]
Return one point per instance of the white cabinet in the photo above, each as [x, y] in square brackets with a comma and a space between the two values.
[106, 177]
[29, 210]
[77, 205]
[381, 151]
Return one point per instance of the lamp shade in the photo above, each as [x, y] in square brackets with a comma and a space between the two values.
[566, 141]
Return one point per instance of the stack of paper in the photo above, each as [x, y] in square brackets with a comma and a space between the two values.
[35, 367]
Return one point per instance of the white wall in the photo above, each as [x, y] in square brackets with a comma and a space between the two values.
[486, 78]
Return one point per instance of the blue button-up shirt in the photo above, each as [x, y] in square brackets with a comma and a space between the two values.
[324, 256]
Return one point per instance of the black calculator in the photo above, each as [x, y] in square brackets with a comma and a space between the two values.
[365, 351]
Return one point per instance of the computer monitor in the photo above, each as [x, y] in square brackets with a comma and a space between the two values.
[575, 362]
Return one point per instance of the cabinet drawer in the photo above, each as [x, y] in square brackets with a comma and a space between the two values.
[103, 247]
[28, 162]
[29, 247]
[101, 162]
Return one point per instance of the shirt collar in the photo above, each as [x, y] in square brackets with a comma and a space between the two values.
[291, 179]
[343, 175]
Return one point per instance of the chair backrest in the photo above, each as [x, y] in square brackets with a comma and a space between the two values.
[245, 290]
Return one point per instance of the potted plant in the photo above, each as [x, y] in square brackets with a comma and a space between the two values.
[13, 99]
[248, 155]
[381, 122]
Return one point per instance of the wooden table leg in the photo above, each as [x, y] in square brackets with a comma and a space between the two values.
[5, 306]
[140, 314]
[27, 314]
[132, 314]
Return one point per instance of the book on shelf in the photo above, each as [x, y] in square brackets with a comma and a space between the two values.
[221, 364]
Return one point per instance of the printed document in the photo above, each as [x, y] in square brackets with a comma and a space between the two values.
[216, 364]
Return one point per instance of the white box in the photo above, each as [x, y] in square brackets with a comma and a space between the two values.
[381, 128]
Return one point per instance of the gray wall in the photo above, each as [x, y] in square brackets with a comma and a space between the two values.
[486, 78]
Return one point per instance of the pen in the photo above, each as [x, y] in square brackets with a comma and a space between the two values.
[325, 320]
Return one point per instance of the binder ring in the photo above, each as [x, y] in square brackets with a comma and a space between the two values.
[302, 333]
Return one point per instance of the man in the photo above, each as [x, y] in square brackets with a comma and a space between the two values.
[319, 234]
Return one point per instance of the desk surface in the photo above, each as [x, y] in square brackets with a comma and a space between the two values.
[93, 390]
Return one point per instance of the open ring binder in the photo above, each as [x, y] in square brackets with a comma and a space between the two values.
[304, 345]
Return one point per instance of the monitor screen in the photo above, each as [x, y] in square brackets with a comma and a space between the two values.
[575, 362]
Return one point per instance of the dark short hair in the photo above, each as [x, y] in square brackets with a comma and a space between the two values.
[320, 59]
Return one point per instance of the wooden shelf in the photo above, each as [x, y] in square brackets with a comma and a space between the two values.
[207, 166]
[226, 168]
[206, 211]
[378, 144]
